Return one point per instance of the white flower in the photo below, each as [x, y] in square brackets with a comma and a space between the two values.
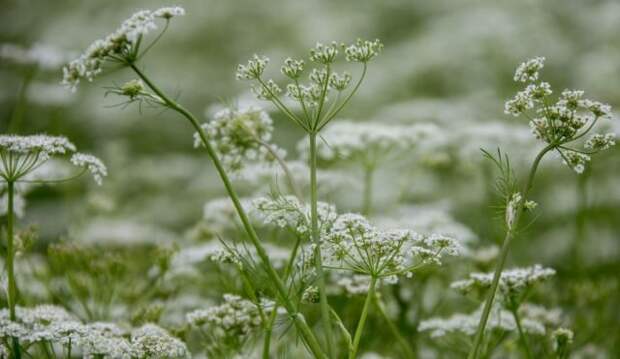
[363, 51]
[289, 212]
[94, 165]
[292, 68]
[121, 44]
[528, 71]
[151, 341]
[24, 155]
[354, 244]
[324, 54]
[169, 12]
[254, 69]
[235, 317]
[240, 136]
[598, 142]
[576, 160]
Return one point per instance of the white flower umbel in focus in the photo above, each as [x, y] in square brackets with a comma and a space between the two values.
[24, 155]
[241, 136]
[122, 46]
[562, 122]
[354, 244]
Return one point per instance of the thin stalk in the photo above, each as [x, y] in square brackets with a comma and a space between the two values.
[409, 354]
[510, 233]
[580, 216]
[298, 318]
[369, 172]
[318, 260]
[362, 321]
[274, 313]
[10, 263]
[522, 337]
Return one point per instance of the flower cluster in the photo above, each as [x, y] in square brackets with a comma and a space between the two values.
[314, 95]
[151, 341]
[466, 324]
[568, 119]
[121, 46]
[289, 212]
[54, 325]
[241, 135]
[367, 142]
[235, 317]
[512, 207]
[23, 155]
[354, 244]
[512, 281]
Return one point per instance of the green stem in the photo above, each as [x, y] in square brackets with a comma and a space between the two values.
[274, 313]
[510, 233]
[314, 218]
[297, 317]
[526, 347]
[409, 354]
[362, 321]
[367, 200]
[10, 263]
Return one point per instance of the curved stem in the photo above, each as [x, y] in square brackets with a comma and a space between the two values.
[10, 263]
[297, 317]
[362, 321]
[409, 354]
[314, 218]
[522, 337]
[510, 233]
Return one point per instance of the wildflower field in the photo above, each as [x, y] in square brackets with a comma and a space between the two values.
[309, 179]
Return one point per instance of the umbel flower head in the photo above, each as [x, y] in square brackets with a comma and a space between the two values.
[234, 317]
[241, 135]
[121, 46]
[312, 97]
[354, 244]
[560, 122]
[22, 155]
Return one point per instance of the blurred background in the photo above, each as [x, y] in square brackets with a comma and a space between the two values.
[449, 63]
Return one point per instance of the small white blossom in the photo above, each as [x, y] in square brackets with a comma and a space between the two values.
[324, 54]
[169, 12]
[241, 135]
[151, 341]
[598, 142]
[235, 317]
[31, 153]
[94, 165]
[528, 71]
[290, 212]
[576, 160]
[292, 68]
[363, 51]
[254, 68]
